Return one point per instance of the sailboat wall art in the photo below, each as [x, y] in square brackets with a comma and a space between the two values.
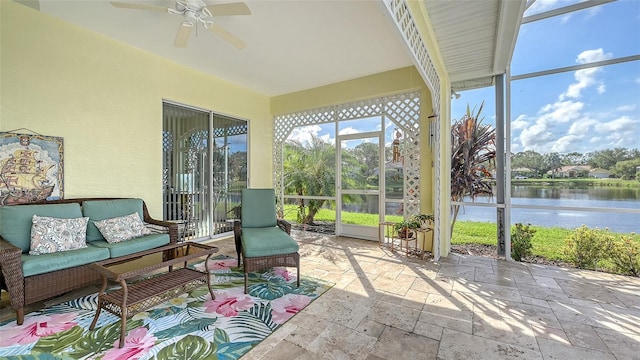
[31, 168]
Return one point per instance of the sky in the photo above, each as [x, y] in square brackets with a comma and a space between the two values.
[578, 111]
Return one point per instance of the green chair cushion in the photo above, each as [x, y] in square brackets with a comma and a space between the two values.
[40, 264]
[269, 241]
[106, 209]
[134, 245]
[15, 221]
[258, 208]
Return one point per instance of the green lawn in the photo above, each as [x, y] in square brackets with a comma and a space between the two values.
[547, 241]
[347, 218]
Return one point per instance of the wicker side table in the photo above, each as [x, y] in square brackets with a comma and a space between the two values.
[133, 298]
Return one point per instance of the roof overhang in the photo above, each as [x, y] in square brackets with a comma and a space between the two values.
[476, 38]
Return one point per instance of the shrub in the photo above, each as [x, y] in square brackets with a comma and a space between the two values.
[521, 246]
[585, 247]
[625, 256]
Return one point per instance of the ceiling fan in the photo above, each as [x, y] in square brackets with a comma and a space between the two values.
[194, 12]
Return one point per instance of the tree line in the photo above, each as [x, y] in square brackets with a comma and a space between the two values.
[621, 162]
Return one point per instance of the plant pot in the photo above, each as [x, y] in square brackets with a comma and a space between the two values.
[405, 233]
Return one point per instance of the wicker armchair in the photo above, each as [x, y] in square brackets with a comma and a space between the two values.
[284, 225]
[262, 241]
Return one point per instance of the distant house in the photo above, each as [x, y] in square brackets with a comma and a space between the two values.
[599, 173]
[571, 171]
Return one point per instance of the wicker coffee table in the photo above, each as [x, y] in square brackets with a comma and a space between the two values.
[136, 296]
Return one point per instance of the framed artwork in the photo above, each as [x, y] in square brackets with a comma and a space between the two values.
[31, 168]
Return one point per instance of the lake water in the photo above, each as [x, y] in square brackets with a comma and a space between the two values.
[603, 198]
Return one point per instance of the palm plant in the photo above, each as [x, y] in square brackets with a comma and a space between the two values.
[473, 152]
[309, 170]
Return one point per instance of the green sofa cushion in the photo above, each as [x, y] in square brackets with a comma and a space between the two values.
[106, 209]
[15, 221]
[40, 264]
[268, 241]
[134, 245]
[258, 208]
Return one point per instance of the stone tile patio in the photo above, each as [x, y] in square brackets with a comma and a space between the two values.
[387, 306]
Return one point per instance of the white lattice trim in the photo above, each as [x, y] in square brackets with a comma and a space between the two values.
[402, 17]
[402, 109]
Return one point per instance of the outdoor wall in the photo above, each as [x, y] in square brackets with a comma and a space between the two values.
[442, 184]
[105, 99]
[391, 82]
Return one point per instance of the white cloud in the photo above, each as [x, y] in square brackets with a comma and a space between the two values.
[586, 77]
[564, 126]
[304, 134]
[619, 132]
[581, 127]
[349, 130]
[589, 56]
[566, 143]
[627, 107]
[623, 123]
[560, 112]
[546, 131]
[535, 137]
[328, 139]
[519, 123]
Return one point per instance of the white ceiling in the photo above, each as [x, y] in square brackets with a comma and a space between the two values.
[295, 45]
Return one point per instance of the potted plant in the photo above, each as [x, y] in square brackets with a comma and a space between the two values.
[405, 227]
[425, 220]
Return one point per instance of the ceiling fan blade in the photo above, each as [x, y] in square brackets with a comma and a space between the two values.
[138, 6]
[238, 8]
[34, 4]
[227, 36]
[182, 36]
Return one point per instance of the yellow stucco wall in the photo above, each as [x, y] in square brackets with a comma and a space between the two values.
[105, 99]
[389, 82]
[421, 17]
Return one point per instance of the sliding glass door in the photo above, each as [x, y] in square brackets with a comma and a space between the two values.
[204, 168]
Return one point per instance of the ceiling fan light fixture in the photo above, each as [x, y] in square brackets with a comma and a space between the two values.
[181, 6]
[207, 24]
[194, 12]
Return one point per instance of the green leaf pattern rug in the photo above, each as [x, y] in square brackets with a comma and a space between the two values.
[190, 326]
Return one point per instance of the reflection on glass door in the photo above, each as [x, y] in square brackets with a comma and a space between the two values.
[204, 170]
[359, 185]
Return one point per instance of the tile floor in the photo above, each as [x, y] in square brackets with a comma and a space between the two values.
[387, 306]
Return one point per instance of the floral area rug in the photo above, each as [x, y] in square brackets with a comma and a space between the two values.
[190, 326]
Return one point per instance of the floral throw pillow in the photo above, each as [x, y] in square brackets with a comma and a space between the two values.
[49, 235]
[122, 228]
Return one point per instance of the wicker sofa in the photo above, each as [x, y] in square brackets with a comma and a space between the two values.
[32, 278]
